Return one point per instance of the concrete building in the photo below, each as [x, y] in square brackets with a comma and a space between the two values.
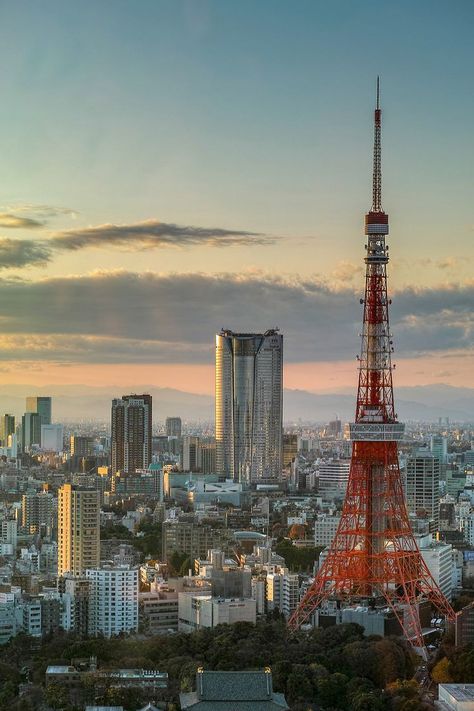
[173, 427]
[191, 461]
[41, 405]
[282, 591]
[439, 448]
[192, 538]
[456, 697]
[467, 524]
[9, 532]
[37, 513]
[52, 438]
[422, 485]
[7, 428]
[81, 446]
[131, 441]
[78, 590]
[208, 457]
[290, 448]
[438, 556]
[333, 478]
[113, 606]
[30, 430]
[464, 626]
[78, 529]
[325, 527]
[249, 406]
[201, 612]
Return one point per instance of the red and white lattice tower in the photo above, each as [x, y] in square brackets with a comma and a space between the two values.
[374, 555]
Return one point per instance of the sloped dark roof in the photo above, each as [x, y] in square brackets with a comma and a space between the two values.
[233, 691]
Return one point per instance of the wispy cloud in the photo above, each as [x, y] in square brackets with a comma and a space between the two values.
[42, 211]
[153, 234]
[16, 254]
[11, 221]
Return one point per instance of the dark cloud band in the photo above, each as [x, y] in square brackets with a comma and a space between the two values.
[128, 317]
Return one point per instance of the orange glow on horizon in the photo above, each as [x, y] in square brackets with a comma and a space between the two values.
[313, 376]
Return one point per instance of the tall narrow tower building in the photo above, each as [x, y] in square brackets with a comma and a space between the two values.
[78, 529]
[249, 405]
[131, 439]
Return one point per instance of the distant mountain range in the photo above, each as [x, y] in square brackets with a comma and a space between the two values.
[76, 402]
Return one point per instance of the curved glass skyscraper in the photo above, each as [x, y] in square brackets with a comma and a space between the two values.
[249, 406]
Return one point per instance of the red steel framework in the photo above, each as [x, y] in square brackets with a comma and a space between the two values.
[374, 555]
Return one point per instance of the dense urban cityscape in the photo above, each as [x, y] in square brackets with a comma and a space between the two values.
[145, 529]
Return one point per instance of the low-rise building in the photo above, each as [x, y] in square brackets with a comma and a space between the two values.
[456, 697]
[200, 612]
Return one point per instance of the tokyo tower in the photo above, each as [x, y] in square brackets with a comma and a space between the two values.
[374, 558]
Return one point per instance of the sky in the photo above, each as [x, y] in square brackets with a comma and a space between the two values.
[172, 167]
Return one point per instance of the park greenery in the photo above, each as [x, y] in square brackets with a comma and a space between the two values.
[331, 669]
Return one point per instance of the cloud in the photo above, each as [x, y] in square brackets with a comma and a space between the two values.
[128, 317]
[152, 234]
[11, 221]
[16, 254]
[43, 211]
[346, 271]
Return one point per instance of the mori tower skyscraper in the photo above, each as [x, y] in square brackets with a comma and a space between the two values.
[249, 406]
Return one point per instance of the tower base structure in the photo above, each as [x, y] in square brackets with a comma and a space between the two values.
[374, 559]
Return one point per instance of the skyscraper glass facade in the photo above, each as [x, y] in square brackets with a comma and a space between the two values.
[249, 406]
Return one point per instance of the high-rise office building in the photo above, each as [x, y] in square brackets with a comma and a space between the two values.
[191, 461]
[249, 405]
[31, 430]
[131, 433]
[208, 457]
[41, 405]
[439, 448]
[290, 448]
[81, 446]
[7, 428]
[422, 486]
[173, 426]
[78, 529]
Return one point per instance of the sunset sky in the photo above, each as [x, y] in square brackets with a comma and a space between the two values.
[168, 168]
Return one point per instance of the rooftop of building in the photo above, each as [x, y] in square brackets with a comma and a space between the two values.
[459, 692]
[245, 690]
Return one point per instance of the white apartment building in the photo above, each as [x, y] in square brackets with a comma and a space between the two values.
[333, 478]
[282, 591]
[113, 605]
[438, 556]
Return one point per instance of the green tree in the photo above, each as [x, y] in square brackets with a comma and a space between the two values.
[366, 701]
[56, 696]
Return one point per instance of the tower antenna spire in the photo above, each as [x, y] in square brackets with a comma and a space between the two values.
[377, 171]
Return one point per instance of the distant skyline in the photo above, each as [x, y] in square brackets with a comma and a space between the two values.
[171, 168]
